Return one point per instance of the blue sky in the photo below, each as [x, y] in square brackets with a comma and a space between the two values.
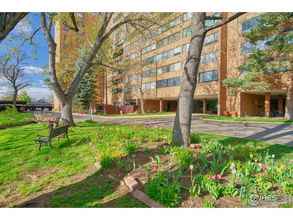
[38, 89]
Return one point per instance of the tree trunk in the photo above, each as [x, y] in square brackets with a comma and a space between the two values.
[181, 130]
[289, 102]
[142, 103]
[66, 111]
[14, 97]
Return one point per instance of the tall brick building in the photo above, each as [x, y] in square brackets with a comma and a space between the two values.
[224, 49]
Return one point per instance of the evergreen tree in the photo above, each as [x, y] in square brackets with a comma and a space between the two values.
[270, 64]
[85, 93]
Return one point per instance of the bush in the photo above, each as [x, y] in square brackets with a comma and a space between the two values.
[10, 112]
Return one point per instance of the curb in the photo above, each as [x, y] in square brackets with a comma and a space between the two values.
[205, 119]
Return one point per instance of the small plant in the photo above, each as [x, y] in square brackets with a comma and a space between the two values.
[208, 204]
[194, 190]
[119, 164]
[230, 189]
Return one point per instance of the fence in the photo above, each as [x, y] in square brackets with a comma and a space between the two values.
[115, 110]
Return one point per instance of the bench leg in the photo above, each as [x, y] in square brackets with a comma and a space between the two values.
[67, 136]
[51, 145]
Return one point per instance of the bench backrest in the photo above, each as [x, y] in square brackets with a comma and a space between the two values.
[59, 130]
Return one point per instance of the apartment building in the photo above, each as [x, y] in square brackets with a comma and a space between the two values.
[163, 59]
[69, 47]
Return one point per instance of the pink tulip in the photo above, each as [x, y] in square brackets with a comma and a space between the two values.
[264, 168]
[214, 176]
[191, 167]
[219, 176]
[291, 160]
[209, 177]
[234, 171]
[263, 173]
[232, 166]
[157, 166]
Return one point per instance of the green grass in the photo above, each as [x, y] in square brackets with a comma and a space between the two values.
[20, 118]
[247, 119]
[19, 155]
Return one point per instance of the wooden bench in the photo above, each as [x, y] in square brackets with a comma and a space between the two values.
[53, 122]
[57, 132]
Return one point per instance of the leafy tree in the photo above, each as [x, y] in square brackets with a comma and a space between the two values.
[181, 129]
[85, 93]
[103, 31]
[24, 96]
[271, 63]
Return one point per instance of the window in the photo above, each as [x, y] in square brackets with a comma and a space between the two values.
[117, 17]
[133, 56]
[80, 15]
[80, 24]
[209, 58]
[65, 46]
[66, 28]
[65, 55]
[148, 73]
[169, 25]
[126, 79]
[148, 61]
[126, 39]
[66, 37]
[186, 32]
[150, 36]
[148, 86]
[163, 15]
[185, 47]
[212, 22]
[134, 88]
[249, 24]
[168, 68]
[80, 33]
[120, 43]
[168, 54]
[116, 91]
[208, 76]
[212, 38]
[118, 35]
[126, 90]
[187, 16]
[79, 41]
[118, 53]
[168, 40]
[168, 82]
[148, 49]
[247, 48]
[126, 49]
[116, 73]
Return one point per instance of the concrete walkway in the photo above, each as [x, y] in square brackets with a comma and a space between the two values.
[269, 132]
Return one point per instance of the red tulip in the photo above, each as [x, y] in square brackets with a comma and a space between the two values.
[214, 176]
[114, 129]
[263, 173]
[129, 164]
[236, 142]
[209, 177]
[127, 157]
[264, 168]
[124, 136]
[116, 124]
[198, 146]
[157, 166]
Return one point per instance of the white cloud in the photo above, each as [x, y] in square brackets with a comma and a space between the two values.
[32, 69]
[38, 92]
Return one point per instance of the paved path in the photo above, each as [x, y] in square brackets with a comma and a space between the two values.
[270, 132]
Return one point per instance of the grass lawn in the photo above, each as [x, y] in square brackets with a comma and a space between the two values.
[15, 120]
[247, 119]
[67, 174]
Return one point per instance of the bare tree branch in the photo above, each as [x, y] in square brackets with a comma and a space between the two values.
[207, 29]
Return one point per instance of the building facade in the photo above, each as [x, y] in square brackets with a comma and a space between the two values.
[163, 59]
